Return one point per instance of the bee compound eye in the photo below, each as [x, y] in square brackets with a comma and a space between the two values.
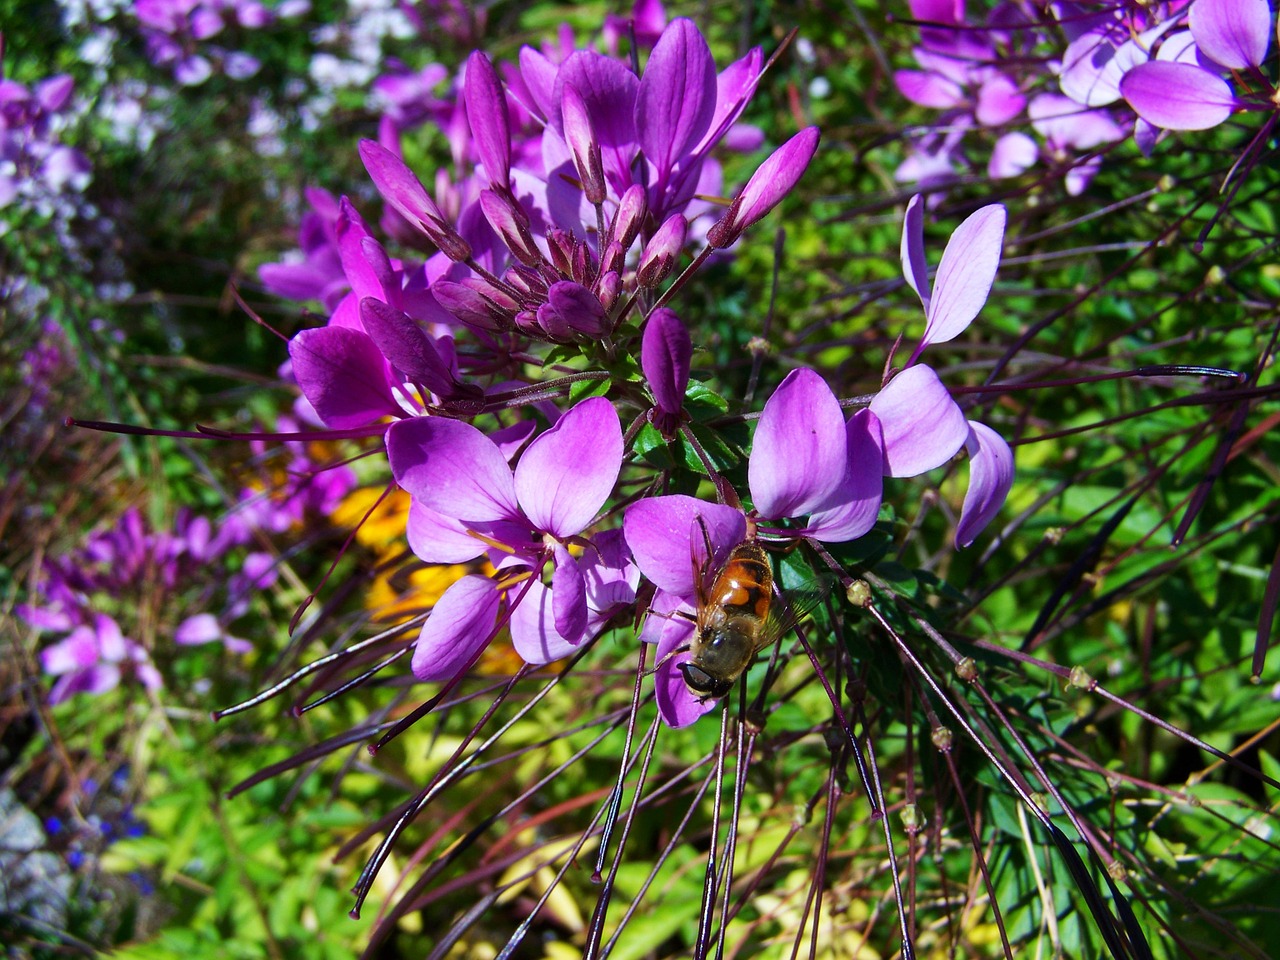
[701, 684]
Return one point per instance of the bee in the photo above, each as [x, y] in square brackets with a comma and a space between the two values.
[732, 622]
[737, 617]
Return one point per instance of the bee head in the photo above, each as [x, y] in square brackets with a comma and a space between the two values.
[701, 684]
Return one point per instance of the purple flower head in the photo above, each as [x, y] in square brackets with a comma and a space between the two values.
[467, 502]
[921, 426]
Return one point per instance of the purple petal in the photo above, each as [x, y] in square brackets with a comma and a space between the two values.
[990, 478]
[609, 90]
[399, 187]
[452, 468]
[856, 503]
[999, 101]
[461, 624]
[78, 651]
[677, 705]
[772, 181]
[1177, 96]
[435, 538]
[1014, 153]
[666, 539]
[201, 628]
[569, 601]
[735, 85]
[928, 89]
[923, 427]
[487, 114]
[406, 345]
[798, 456]
[343, 375]
[676, 99]
[567, 474]
[1234, 33]
[912, 250]
[965, 275]
[665, 353]
[533, 627]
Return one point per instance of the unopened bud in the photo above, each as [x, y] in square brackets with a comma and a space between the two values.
[581, 137]
[662, 252]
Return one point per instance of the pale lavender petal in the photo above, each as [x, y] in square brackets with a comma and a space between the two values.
[1177, 96]
[856, 504]
[533, 627]
[461, 623]
[487, 115]
[928, 89]
[569, 601]
[990, 479]
[78, 651]
[112, 644]
[676, 99]
[510, 439]
[201, 628]
[676, 704]
[923, 427]
[567, 474]
[999, 101]
[798, 456]
[1146, 136]
[344, 376]
[1234, 33]
[1013, 154]
[965, 275]
[453, 468]
[436, 538]
[665, 353]
[667, 541]
[912, 250]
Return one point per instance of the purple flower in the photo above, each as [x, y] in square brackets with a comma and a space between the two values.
[94, 658]
[665, 352]
[467, 502]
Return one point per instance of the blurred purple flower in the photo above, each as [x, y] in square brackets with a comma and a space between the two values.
[94, 658]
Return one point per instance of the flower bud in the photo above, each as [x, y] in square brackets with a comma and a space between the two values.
[771, 182]
[662, 251]
[581, 137]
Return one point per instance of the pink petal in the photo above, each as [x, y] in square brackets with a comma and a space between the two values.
[463, 620]
[202, 628]
[567, 474]
[1234, 33]
[435, 538]
[677, 705]
[667, 542]
[533, 628]
[928, 89]
[1177, 96]
[452, 468]
[569, 601]
[923, 427]
[344, 376]
[965, 275]
[912, 250]
[858, 499]
[676, 99]
[1014, 153]
[990, 479]
[798, 456]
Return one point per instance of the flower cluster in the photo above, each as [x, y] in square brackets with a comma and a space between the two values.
[118, 573]
[1085, 78]
[38, 170]
[176, 34]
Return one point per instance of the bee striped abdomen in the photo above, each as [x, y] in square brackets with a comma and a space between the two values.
[744, 586]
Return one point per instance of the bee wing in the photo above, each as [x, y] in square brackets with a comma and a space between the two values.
[792, 606]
